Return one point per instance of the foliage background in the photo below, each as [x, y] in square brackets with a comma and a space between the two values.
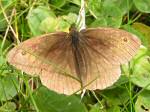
[23, 19]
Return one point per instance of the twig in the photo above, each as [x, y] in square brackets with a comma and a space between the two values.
[81, 17]
[9, 24]
[6, 32]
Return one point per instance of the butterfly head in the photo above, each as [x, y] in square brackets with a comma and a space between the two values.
[72, 28]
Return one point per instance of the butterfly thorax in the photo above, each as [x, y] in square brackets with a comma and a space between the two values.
[74, 35]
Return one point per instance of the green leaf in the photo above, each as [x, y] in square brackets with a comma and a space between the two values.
[6, 6]
[41, 20]
[95, 108]
[99, 22]
[6, 44]
[143, 5]
[143, 102]
[95, 7]
[122, 80]
[64, 22]
[141, 74]
[108, 108]
[63, 25]
[48, 25]
[105, 11]
[58, 3]
[145, 31]
[112, 109]
[77, 2]
[8, 107]
[113, 98]
[8, 87]
[141, 70]
[70, 18]
[123, 5]
[49, 101]
[112, 14]
[3, 23]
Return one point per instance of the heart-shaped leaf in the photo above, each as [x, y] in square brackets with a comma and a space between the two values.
[49, 101]
[145, 31]
[143, 102]
[38, 19]
[142, 5]
[8, 87]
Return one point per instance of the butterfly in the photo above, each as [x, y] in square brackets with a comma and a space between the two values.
[67, 62]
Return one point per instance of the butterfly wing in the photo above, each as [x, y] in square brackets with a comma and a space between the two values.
[49, 56]
[102, 51]
[107, 49]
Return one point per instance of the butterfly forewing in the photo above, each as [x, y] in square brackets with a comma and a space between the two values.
[116, 46]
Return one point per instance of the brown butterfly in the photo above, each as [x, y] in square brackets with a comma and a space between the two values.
[67, 62]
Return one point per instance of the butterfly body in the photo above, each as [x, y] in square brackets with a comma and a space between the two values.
[88, 59]
[78, 57]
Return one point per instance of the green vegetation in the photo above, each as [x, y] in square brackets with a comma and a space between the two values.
[23, 19]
